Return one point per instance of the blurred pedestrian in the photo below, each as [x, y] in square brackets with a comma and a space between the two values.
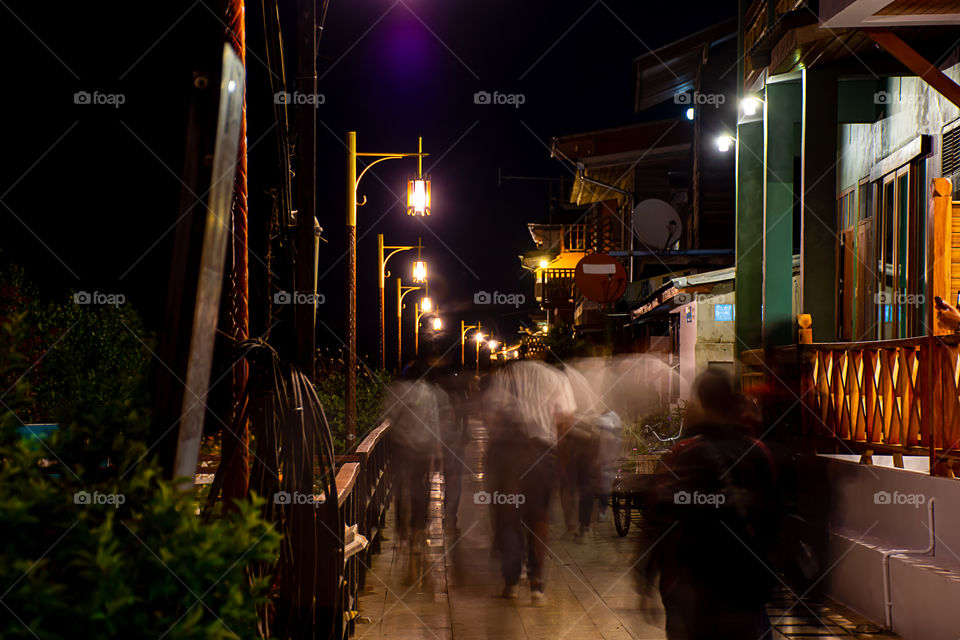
[715, 517]
[455, 434]
[413, 406]
[577, 453]
[527, 404]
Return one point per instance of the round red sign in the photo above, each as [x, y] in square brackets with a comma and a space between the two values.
[601, 278]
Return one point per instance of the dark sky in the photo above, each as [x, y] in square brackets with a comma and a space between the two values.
[89, 190]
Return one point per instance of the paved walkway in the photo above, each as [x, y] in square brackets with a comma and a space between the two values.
[591, 590]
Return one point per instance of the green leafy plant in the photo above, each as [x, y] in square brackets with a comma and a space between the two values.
[97, 544]
[331, 385]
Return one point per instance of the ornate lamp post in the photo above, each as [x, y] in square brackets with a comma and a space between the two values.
[418, 203]
[401, 292]
[419, 275]
[423, 307]
[463, 332]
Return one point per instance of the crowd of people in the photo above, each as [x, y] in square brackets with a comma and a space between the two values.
[554, 434]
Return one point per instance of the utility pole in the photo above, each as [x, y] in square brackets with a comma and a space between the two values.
[305, 274]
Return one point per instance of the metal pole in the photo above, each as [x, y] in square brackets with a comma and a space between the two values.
[305, 275]
[237, 481]
[383, 350]
[399, 326]
[351, 364]
[416, 329]
[479, 334]
[462, 330]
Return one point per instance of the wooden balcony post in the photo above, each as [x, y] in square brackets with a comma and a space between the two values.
[938, 284]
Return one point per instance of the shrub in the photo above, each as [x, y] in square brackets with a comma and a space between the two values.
[97, 544]
[331, 388]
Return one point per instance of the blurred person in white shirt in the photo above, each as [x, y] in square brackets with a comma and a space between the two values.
[527, 406]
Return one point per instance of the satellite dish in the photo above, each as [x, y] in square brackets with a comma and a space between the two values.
[657, 224]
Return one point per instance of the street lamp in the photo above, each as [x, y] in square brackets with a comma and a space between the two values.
[384, 274]
[418, 190]
[420, 309]
[464, 327]
[479, 338]
[353, 183]
[750, 105]
[419, 271]
[401, 292]
[725, 142]
[437, 324]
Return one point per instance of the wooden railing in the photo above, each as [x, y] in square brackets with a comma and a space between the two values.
[886, 396]
[556, 288]
[363, 491]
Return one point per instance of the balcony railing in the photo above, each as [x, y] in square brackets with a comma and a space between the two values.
[574, 237]
[886, 396]
[555, 288]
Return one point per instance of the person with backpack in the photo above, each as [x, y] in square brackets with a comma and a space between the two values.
[715, 515]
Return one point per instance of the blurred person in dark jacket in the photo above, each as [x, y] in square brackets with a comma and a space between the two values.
[714, 511]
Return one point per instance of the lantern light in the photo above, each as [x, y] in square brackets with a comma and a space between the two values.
[544, 263]
[690, 113]
[426, 305]
[437, 324]
[478, 337]
[418, 197]
[724, 143]
[419, 271]
[493, 345]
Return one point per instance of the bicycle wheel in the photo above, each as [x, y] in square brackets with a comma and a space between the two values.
[620, 505]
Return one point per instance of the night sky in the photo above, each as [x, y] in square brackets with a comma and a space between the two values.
[89, 191]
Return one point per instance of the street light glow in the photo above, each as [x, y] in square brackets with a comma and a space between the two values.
[724, 143]
[418, 197]
[544, 263]
[689, 113]
[493, 345]
[437, 324]
[419, 271]
[750, 104]
[478, 337]
[426, 305]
